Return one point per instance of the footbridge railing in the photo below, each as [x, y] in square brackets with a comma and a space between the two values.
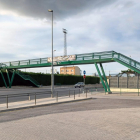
[77, 58]
[97, 57]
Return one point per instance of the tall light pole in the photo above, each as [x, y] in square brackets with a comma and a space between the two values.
[52, 77]
[65, 42]
[65, 46]
[54, 63]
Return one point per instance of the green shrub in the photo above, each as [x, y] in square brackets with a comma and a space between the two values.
[45, 79]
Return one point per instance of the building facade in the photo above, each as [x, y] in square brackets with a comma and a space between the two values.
[70, 70]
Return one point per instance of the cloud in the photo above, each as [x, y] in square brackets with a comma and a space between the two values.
[93, 26]
[39, 8]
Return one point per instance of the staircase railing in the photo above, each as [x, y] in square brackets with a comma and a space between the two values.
[131, 62]
[27, 77]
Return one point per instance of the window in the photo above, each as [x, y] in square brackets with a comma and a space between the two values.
[71, 70]
[67, 70]
[62, 70]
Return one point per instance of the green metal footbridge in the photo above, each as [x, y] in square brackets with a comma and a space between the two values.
[77, 59]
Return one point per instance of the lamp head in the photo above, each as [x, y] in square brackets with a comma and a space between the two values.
[49, 10]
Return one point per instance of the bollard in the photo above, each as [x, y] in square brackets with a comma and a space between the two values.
[74, 94]
[69, 93]
[7, 100]
[57, 96]
[29, 97]
[35, 98]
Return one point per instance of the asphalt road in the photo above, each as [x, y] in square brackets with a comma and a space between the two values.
[23, 94]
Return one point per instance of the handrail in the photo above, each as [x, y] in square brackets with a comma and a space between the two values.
[38, 60]
[27, 77]
[39, 93]
[78, 57]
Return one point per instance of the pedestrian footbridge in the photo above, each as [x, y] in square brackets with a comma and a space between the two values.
[77, 59]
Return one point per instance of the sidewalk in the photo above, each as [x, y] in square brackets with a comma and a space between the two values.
[43, 101]
[64, 99]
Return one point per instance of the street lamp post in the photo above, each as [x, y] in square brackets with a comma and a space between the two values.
[52, 77]
[54, 63]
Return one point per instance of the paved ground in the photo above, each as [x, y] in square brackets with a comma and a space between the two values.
[109, 117]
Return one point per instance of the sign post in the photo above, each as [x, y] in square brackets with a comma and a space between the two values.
[84, 76]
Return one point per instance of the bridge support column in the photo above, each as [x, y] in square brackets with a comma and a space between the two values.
[13, 75]
[100, 77]
[10, 81]
[8, 77]
[3, 79]
[105, 79]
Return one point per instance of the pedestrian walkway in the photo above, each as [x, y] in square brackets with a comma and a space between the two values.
[44, 101]
[63, 99]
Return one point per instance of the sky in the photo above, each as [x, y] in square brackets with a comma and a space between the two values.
[93, 26]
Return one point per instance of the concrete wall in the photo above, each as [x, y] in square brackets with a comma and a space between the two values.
[124, 82]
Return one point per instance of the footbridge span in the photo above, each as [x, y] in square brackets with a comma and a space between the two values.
[77, 59]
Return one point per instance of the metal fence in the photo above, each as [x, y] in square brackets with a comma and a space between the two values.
[10, 98]
[125, 82]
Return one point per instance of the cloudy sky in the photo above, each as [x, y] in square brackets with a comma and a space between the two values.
[93, 26]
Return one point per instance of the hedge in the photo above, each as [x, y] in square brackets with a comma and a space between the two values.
[45, 79]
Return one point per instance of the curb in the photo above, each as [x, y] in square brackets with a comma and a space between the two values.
[43, 105]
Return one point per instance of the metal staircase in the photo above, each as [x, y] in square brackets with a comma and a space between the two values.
[27, 77]
[127, 61]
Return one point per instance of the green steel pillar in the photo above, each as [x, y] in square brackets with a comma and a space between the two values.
[12, 78]
[100, 77]
[105, 78]
[8, 77]
[3, 78]
[10, 81]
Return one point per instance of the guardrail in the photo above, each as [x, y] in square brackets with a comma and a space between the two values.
[56, 94]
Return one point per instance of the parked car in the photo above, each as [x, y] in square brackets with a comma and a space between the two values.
[79, 84]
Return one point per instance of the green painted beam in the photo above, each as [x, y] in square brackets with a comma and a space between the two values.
[60, 63]
[8, 77]
[3, 79]
[12, 78]
[131, 67]
[105, 78]
[100, 77]
[80, 59]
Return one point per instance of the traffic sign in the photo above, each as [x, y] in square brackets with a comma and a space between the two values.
[84, 76]
[84, 72]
